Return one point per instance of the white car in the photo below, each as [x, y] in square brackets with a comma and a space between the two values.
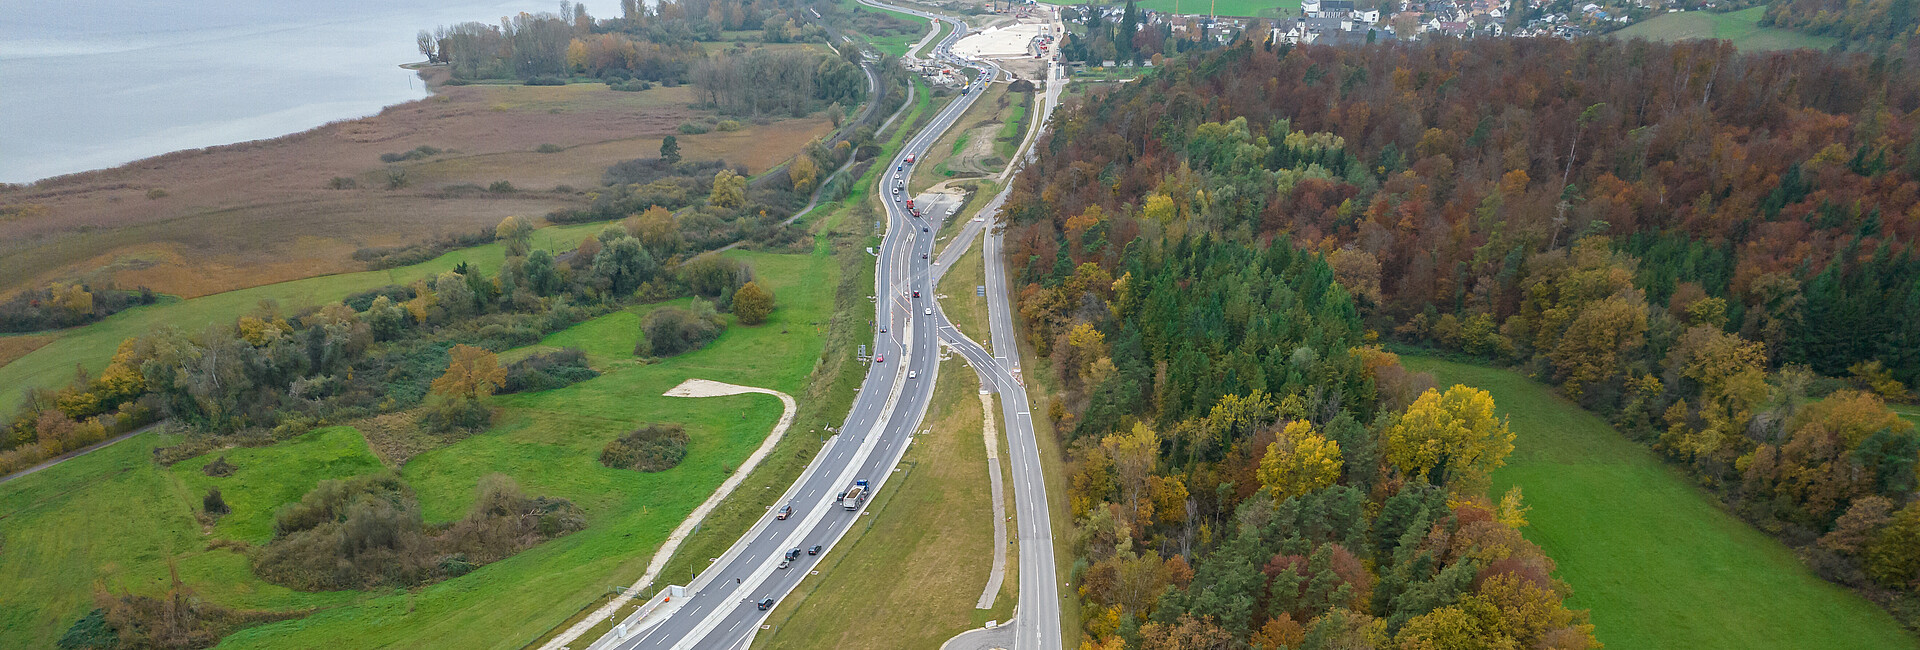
[929, 311]
[913, 374]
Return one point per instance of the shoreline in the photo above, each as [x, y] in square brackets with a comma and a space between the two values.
[421, 70]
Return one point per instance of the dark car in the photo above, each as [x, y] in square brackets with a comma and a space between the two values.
[785, 511]
[793, 554]
[766, 604]
[814, 551]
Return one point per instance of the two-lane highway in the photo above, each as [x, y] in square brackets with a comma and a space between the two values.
[723, 606]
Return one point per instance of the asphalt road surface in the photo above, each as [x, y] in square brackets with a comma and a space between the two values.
[722, 606]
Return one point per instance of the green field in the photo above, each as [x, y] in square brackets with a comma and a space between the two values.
[1657, 562]
[920, 557]
[1740, 27]
[93, 345]
[115, 519]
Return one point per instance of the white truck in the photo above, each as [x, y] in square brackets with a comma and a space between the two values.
[854, 496]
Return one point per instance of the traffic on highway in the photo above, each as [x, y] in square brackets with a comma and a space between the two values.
[725, 605]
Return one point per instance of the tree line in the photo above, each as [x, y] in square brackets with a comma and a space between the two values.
[1713, 250]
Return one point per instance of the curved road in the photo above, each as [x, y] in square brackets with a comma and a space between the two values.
[720, 608]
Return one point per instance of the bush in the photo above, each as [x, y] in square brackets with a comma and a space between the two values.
[156, 193]
[631, 86]
[728, 125]
[445, 414]
[692, 128]
[545, 80]
[548, 371]
[668, 331]
[501, 187]
[549, 148]
[219, 467]
[752, 304]
[417, 153]
[342, 183]
[652, 448]
[213, 503]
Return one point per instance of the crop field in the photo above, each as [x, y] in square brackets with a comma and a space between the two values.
[1657, 562]
[1741, 27]
[114, 519]
[200, 222]
[91, 346]
[920, 558]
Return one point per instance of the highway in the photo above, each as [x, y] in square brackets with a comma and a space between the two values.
[722, 607]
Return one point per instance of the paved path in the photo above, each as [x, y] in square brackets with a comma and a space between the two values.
[689, 388]
[982, 638]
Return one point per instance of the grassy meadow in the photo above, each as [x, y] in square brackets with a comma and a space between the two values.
[1741, 27]
[1656, 560]
[115, 520]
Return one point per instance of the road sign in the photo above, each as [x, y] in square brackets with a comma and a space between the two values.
[980, 290]
[863, 349]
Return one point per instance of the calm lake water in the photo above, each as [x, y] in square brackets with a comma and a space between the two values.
[86, 84]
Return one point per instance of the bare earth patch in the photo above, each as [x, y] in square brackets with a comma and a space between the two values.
[14, 347]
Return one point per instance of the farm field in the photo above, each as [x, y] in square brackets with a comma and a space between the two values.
[91, 346]
[1659, 565]
[1740, 27]
[115, 519]
[921, 557]
[205, 221]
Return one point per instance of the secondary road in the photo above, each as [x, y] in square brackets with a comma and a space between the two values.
[723, 606]
[1036, 621]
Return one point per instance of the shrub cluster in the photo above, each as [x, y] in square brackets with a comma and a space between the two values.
[652, 448]
[547, 371]
[66, 306]
[668, 331]
[417, 153]
[367, 532]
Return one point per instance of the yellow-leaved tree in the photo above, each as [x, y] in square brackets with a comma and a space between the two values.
[1454, 433]
[1300, 462]
[472, 373]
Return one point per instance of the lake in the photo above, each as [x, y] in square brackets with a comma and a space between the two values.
[86, 84]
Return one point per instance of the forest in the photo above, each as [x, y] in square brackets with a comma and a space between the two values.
[660, 43]
[1712, 250]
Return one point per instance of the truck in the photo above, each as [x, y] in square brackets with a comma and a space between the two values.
[854, 496]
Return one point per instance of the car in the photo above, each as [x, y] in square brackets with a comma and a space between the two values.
[879, 358]
[923, 229]
[814, 551]
[923, 256]
[785, 511]
[896, 197]
[766, 604]
[896, 189]
[883, 329]
[899, 167]
[786, 564]
[929, 311]
[793, 554]
[896, 176]
[913, 374]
